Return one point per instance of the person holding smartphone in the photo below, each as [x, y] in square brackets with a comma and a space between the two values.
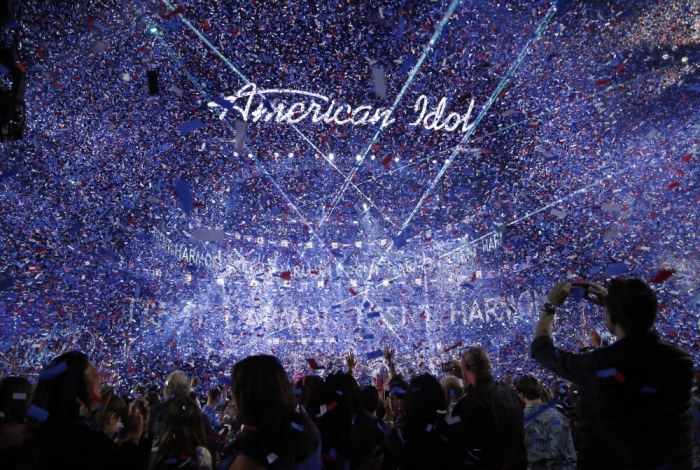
[634, 407]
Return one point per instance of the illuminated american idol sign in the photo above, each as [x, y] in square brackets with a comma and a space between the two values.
[321, 109]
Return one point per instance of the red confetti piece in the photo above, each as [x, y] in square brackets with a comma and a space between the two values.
[662, 275]
[353, 291]
[673, 185]
[602, 82]
[287, 275]
[386, 162]
[620, 68]
[687, 158]
[176, 11]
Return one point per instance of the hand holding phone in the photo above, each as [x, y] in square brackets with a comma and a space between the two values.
[592, 292]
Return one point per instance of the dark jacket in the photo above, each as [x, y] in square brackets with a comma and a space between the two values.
[419, 446]
[635, 401]
[75, 446]
[489, 434]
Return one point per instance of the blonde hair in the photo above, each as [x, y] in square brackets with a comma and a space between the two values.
[177, 384]
[477, 360]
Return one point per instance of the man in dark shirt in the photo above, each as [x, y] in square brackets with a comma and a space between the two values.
[487, 423]
[634, 409]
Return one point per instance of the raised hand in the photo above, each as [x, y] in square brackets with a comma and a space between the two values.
[559, 293]
[595, 293]
[351, 361]
[388, 353]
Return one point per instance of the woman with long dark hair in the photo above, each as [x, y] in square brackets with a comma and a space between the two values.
[276, 434]
[351, 440]
[420, 440]
[183, 444]
[58, 434]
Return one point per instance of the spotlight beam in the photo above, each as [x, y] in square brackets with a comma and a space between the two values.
[427, 50]
[528, 215]
[492, 99]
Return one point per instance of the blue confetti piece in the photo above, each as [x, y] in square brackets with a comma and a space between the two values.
[373, 315]
[172, 25]
[375, 354]
[224, 381]
[402, 237]
[593, 271]
[605, 373]
[297, 427]
[190, 126]
[37, 413]
[182, 190]
[407, 64]
[53, 371]
[577, 294]
[5, 283]
[616, 269]
[402, 28]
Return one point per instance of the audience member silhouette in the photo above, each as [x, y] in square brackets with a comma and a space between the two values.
[58, 434]
[634, 406]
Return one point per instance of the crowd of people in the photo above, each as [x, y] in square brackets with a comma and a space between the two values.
[626, 405]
